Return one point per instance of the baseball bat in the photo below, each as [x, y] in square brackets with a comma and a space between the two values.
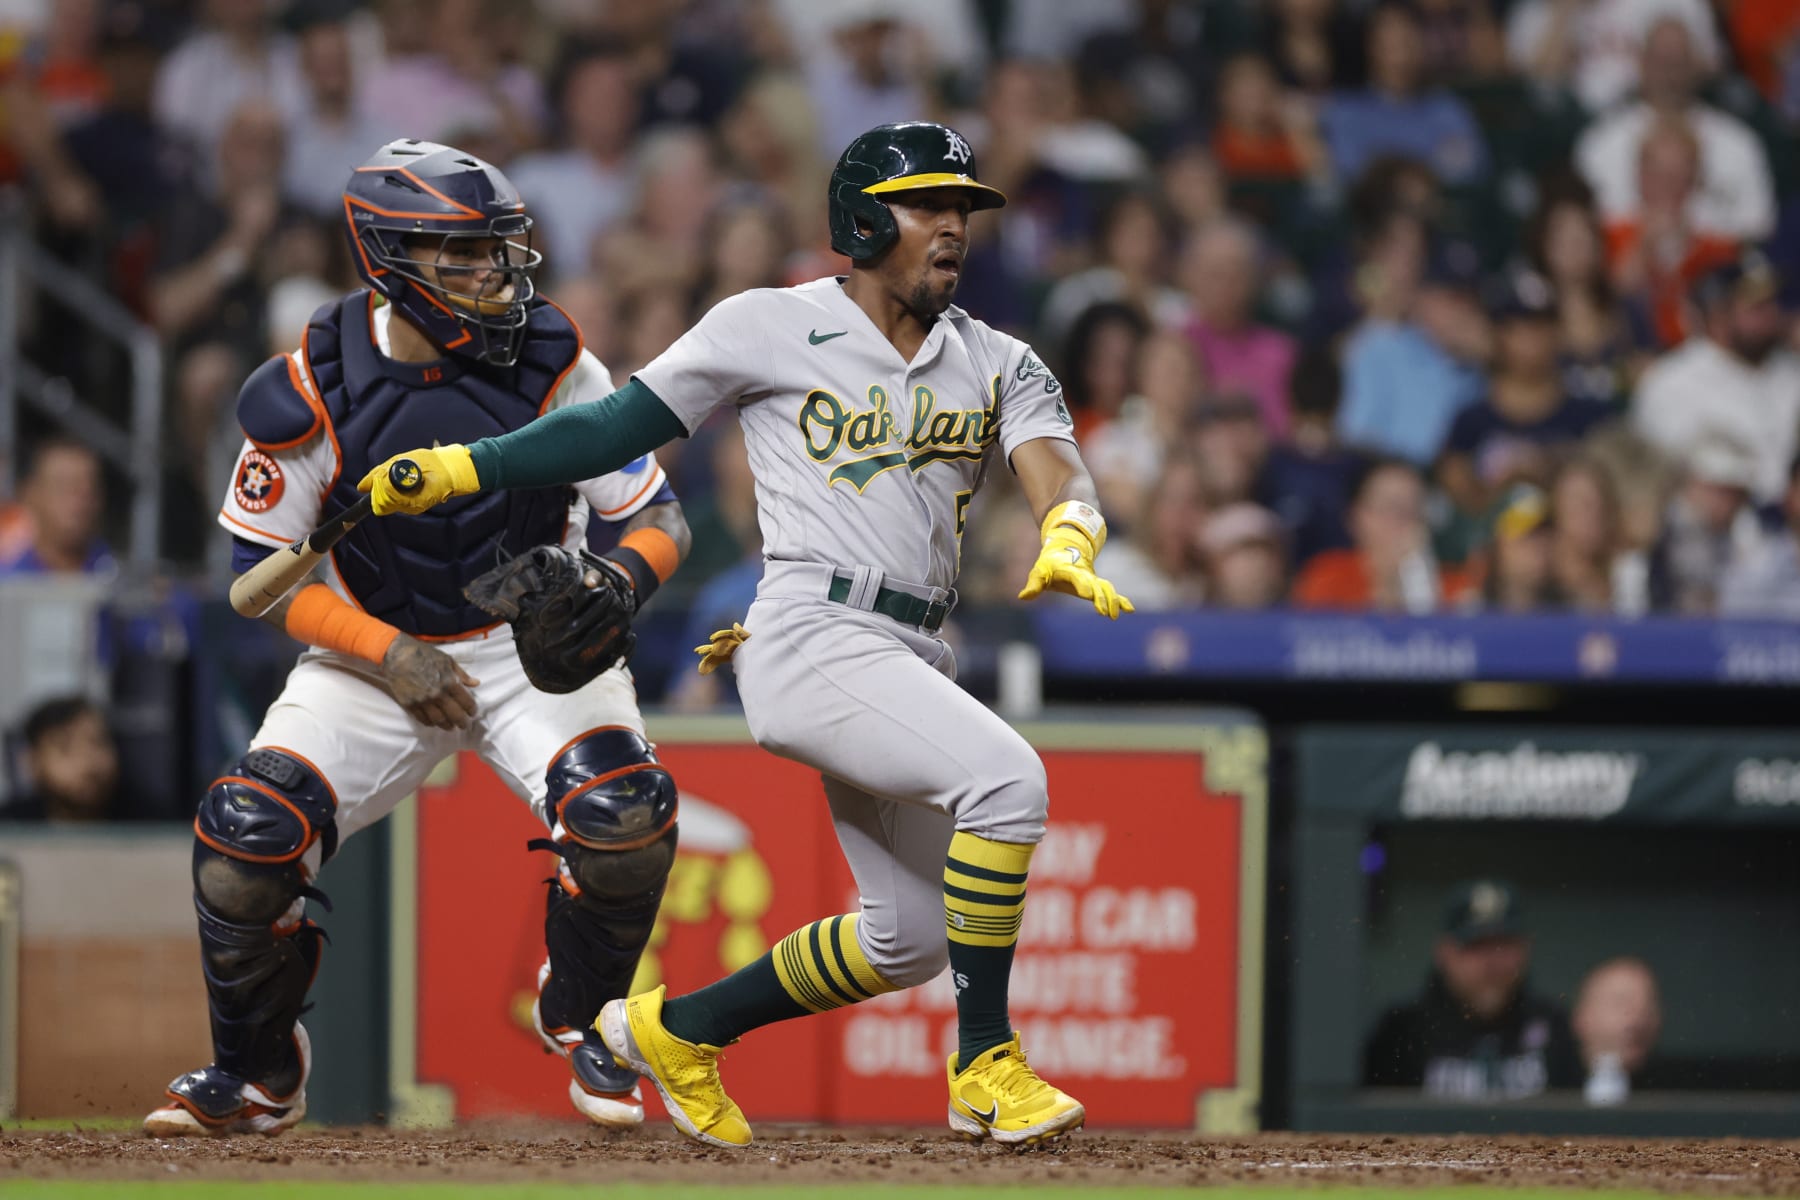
[260, 588]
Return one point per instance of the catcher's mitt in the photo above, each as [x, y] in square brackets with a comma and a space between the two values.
[570, 612]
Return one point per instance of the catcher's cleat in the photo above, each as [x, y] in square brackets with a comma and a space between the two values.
[600, 1089]
[213, 1103]
[686, 1075]
[999, 1096]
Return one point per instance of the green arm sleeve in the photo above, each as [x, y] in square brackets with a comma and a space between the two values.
[582, 441]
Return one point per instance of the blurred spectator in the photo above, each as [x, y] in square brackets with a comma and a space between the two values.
[1389, 567]
[1160, 556]
[1316, 46]
[334, 135]
[1231, 446]
[1245, 556]
[770, 138]
[1079, 145]
[873, 73]
[238, 58]
[1595, 46]
[593, 305]
[955, 45]
[1126, 453]
[70, 765]
[1601, 347]
[1738, 381]
[1046, 29]
[1520, 578]
[1510, 433]
[1766, 35]
[1409, 367]
[1657, 254]
[1262, 134]
[1100, 358]
[1764, 580]
[450, 69]
[1618, 1015]
[726, 516]
[1220, 269]
[1594, 570]
[1153, 79]
[1478, 1032]
[1463, 41]
[1307, 479]
[1398, 113]
[137, 167]
[660, 243]
[576, 191]
[1708, 525]
[1736, 193]
[61, 496]
[1134, 256]
[1191, 188]
[746, 245]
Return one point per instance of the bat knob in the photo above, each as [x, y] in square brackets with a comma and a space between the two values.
[406, 476]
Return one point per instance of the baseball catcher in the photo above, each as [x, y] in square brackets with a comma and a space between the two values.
[409, 655]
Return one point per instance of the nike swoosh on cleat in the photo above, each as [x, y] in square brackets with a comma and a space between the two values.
[988, 1117]
[815, 337]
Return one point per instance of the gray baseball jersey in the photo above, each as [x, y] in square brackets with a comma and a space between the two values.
[860, 457]
[863, 460]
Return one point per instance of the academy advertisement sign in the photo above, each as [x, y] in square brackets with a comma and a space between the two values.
[1545, 774]
[1137, 982]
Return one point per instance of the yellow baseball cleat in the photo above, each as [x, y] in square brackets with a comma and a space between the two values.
[687, 1075]
[999, 1096]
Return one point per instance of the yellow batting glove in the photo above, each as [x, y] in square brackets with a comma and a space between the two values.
[724, 644]
[443, 472]
[1073, 534]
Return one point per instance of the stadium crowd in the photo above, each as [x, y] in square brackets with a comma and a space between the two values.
[1442, 305]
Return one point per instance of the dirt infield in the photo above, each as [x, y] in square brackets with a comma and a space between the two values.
[800, 1155]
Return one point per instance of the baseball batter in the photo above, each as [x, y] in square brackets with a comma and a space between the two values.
[403, 670]
[872, 410]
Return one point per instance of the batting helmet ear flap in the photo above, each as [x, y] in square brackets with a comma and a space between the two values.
[851, 208]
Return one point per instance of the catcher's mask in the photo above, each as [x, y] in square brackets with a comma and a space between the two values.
[416, 205]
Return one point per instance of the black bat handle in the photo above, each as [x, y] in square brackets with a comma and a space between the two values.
[406, 478]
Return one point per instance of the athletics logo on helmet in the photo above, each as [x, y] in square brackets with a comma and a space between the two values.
[897, 158]
[470, 220]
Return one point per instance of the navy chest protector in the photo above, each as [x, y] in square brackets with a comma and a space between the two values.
[410, 571]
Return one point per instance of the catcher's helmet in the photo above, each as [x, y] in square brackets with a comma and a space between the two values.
[897, 158]
[412, 188]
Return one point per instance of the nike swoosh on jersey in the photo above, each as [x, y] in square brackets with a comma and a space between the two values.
[815, 337]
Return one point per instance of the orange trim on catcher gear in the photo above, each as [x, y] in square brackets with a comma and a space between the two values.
[607, 777]
[570, 744]
[447, 311]
[580, 348]
[311, 833]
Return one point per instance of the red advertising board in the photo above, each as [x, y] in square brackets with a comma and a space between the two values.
[1136, 965]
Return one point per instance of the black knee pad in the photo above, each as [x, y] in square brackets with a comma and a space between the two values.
[613, 809]
[607, 791]
[254, 825]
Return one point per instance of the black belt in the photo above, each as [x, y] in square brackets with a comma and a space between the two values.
[908, 610]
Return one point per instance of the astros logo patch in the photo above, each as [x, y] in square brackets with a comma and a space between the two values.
[259, 483]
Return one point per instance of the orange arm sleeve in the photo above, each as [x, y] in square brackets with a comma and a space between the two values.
[320, 617]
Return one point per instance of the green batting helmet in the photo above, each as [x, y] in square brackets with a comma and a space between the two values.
[897, 158]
